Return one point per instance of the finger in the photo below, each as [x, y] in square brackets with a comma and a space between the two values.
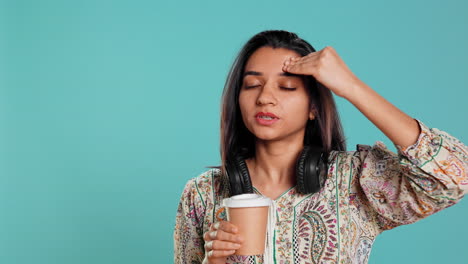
[221, 235]
[207, 236]
[294, 68]
[226, 226]
[307, 67]
[293, 61]
[310, 58]
[297, 60]
[221, 245]
[286, 64]
[219, 253]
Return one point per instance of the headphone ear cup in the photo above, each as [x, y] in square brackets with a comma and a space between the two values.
[311, 170]
[300, 173]
[238, 175]
[244, 175]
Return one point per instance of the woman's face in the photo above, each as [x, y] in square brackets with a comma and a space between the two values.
[265, 89]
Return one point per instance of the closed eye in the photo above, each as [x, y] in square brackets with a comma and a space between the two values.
[288, 88]
[282, 87]
[251, 86]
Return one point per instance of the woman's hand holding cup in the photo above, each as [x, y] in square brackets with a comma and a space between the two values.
[221, 241]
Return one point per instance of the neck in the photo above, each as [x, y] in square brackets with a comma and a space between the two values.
[274, 163]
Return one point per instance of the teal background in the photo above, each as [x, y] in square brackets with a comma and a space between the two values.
[107, 108]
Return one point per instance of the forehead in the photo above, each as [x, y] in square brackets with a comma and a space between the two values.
[269, 60]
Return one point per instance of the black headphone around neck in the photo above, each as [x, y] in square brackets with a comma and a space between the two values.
[311, 171]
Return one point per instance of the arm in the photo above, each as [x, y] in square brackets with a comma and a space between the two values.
[329, 69]
[400, 128]
[423, 178]
[428, 174]
[420, 180]
[188, 233]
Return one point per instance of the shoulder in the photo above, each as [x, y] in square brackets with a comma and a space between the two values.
[205, 185]
[208, 179]
[342, 165]
[364, 152]
[345, 166]
[338, 159]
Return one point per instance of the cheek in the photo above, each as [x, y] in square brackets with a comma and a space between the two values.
[299, 106]
[243, 104]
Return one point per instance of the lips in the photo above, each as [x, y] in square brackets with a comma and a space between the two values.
[266, 119]
[260, 114]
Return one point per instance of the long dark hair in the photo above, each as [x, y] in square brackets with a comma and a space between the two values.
[324, 131]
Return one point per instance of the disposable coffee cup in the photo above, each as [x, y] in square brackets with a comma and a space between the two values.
[249, 212]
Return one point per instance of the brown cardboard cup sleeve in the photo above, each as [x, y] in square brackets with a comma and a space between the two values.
[251, 213]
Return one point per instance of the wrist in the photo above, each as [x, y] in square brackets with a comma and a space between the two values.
[356, 91]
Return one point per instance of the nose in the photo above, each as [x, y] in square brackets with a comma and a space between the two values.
[266, 95]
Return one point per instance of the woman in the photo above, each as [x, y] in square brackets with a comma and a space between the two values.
[277, 100]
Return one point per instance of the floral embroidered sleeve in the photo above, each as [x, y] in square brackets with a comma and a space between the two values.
[418, 181]
[188, 233]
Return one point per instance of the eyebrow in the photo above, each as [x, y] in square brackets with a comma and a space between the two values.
[255, 73]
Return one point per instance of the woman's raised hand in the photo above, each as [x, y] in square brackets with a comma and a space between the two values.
[326, 67]
[221, 241]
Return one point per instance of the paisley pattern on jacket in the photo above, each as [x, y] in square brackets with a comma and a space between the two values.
[367, 191]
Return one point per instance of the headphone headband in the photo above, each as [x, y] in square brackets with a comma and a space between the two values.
[311, 170]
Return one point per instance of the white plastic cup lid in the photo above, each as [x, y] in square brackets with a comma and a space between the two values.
[246, 200]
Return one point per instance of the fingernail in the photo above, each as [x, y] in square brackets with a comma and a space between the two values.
[213, 234]
[216, 225]
[237, 245]
[239, 239]
[234, 229]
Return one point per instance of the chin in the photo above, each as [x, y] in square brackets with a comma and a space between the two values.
[266, 136]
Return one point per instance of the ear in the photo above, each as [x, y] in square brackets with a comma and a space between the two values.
[312, 113]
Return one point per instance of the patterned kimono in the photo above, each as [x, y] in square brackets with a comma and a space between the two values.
[367, 191]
